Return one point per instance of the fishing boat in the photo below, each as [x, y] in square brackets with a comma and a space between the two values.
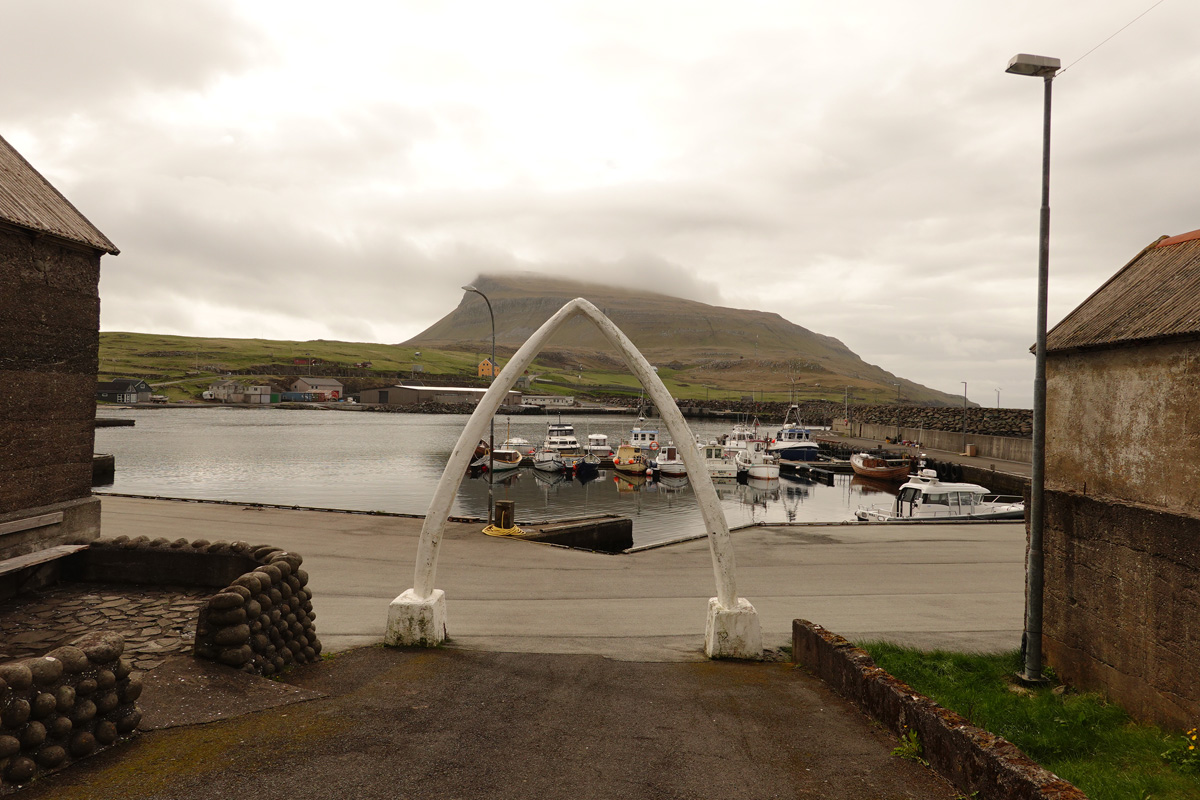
[547, 460]
[924, 498]
[739, 435]
[882, 469]
[597, 445]
[587, 467]
[630, 460]
[502, 459]
[717, 460]
[668, 462]
[560, 436]
[753, 461]
[645, 438]
[793, 441]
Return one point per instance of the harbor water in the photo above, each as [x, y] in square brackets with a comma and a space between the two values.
[391, 462]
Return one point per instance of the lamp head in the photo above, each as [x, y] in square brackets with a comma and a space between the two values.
[1037, 66]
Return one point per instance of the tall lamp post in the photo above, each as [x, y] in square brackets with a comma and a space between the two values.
[1046, 68]
[491, 379]
[964, 383]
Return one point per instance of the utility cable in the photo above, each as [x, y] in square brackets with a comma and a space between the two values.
[1097, 47]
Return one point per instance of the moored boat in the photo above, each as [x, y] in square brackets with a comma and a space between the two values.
[597, 445]
[924, 498]
[547, 460]
[753, 461]
[793, 441]
[717, 460]
[630, 460]
[883, 469]
[668, 462]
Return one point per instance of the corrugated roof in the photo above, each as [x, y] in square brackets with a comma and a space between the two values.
[27, 200]
[1155, 295]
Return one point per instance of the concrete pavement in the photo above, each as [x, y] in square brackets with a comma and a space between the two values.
[957, 586]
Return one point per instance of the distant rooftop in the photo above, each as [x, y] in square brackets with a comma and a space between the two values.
[1154, 296]
[28, 201]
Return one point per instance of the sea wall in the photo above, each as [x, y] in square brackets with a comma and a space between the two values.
[1001, 448]
[70, 703]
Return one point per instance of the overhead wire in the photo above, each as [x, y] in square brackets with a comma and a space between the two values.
[1097, 47]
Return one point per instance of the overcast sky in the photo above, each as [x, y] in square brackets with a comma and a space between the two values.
[866, 169]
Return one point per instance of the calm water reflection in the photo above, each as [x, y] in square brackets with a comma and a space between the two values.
[391, 462]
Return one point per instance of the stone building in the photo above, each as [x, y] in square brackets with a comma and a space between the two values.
[49, 340]
[1122, 526]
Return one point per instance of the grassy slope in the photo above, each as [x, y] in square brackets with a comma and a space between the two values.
[739, 350]
[1089, 742]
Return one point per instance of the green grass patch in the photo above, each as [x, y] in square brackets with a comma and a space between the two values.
[1078, 736]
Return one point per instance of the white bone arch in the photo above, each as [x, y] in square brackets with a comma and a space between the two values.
[417, 616]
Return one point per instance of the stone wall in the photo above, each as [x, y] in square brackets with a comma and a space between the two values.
[1122, 589]
[1002, 448]
[65, 705]
[259, 620]
[49, 324]
[978, 763]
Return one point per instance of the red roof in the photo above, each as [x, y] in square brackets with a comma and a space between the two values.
[1183, 237]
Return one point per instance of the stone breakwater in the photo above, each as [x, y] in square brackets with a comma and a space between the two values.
[65, 705]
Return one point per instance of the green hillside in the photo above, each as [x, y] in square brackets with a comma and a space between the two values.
[701, 351]
[698, 345]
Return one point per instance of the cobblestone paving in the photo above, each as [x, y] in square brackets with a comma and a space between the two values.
[156, 622]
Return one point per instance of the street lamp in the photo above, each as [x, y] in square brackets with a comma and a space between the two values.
[492, 379]
[964, 383]
[897, 411]
[997, 398]
[1045, 68]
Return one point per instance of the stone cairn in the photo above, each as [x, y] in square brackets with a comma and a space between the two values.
[65, 705]
[263, 621]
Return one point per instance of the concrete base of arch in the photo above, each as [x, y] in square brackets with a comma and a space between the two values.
[732, 633]
[416, 621]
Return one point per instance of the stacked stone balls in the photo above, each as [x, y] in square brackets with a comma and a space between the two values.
[65, 705]
[263, 621]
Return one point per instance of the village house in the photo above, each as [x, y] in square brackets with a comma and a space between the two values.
[1122, 514]
[487, 369]
[50, 328]
[319, 389]
[224, 390]
[124, 390]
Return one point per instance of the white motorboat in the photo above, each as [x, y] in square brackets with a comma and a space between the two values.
[645, 438]
[739, 435]
[597, 445]
[793, 441]
[717, 460]
[753, 461]
[924, 498]
[668, 462]
[547, 460]
[560, 437]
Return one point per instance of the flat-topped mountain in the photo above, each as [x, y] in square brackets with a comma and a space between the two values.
[701, 343]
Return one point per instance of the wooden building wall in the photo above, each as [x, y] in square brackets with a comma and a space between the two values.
[49, 339]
